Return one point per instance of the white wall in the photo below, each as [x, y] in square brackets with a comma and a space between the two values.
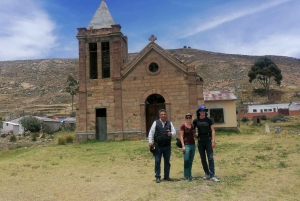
[293, 106]
[267, 108]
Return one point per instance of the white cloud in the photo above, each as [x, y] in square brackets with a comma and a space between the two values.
[286, 45]
[27, 32]
[219, 20]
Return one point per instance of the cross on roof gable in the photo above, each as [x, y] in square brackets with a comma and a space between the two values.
[152, 38]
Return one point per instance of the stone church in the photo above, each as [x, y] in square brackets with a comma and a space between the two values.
[119, 98]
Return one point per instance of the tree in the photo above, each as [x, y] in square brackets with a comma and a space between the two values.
[31, 123]
[72, 87]
[264, 69]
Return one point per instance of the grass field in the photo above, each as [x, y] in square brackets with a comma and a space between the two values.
[251, 164]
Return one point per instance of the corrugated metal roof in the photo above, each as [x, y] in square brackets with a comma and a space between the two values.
[218, 95]
[70, 119]
[102, 18]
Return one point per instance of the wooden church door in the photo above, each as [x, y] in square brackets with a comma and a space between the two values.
[154, 103]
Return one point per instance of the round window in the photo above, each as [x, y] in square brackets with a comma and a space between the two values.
[153, 67]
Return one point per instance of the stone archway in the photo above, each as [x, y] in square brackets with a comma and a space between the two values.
[144, 107]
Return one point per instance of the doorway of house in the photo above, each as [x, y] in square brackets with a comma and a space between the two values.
[154, 103]
[101, 124]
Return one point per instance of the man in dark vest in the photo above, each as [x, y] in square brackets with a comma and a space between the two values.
[161, 132]
[206, 142]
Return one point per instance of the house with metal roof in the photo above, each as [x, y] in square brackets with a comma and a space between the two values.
[294, 108]
[294, 105]
[221, 108]
[16, 127]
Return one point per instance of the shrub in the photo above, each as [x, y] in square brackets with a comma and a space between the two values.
[31, 123]
[62, 141]
[65, 139]
[34, 136]
[70, 139]
[245, 119]
[47, 129]
[274, 119]
[264, 117]
[12, 138]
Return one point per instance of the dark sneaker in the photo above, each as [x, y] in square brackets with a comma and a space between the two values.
[157, 180]
[168, 179]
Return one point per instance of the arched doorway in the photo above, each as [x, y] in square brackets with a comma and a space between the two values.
[153, 103]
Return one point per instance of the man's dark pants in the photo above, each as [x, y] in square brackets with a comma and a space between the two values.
[164, 151]
[205, 149]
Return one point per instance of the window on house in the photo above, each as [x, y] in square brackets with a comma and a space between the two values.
[270, 110]
[105, 54]
[217, 114]
[93, 61]
[254, 110]
[265, 110]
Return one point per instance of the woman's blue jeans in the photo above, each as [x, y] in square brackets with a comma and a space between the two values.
[205, 149]
[188, 156]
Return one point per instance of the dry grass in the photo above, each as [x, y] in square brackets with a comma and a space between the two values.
[251, 165]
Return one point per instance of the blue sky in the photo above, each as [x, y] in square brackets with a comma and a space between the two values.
[40, 29]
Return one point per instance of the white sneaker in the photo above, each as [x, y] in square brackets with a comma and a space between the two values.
[214, 179]
[206, 177]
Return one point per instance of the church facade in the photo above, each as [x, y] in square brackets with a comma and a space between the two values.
[118, 98]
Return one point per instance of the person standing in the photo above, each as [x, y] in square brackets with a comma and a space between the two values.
[187, 135]
[206, 142]
[161, 133]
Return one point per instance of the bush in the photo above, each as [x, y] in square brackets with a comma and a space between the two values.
[70, 139]
[245, 119]
[34, 136]
[47, 129]
[275, 119]
[264, 117]
[65, 139]
[12, 138]
[62, 141]
[31, 123]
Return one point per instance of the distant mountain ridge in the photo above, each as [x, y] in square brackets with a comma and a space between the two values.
[38, 86]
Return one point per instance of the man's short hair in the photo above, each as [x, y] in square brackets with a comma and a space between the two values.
[162, 110]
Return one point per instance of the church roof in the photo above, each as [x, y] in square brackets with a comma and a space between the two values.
[153, 46]
[102, 18]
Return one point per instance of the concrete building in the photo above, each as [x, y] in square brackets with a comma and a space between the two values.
[120, 98]
[266, 108]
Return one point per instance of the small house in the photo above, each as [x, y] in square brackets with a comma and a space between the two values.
[221, 108]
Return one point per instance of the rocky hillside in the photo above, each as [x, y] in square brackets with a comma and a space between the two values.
[38, 86]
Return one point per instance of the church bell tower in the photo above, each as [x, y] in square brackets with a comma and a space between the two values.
[103, 50]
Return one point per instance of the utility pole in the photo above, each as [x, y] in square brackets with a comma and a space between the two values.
[237, 94]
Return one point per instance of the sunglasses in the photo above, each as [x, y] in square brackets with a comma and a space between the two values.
[202, 111]
[188, 117]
